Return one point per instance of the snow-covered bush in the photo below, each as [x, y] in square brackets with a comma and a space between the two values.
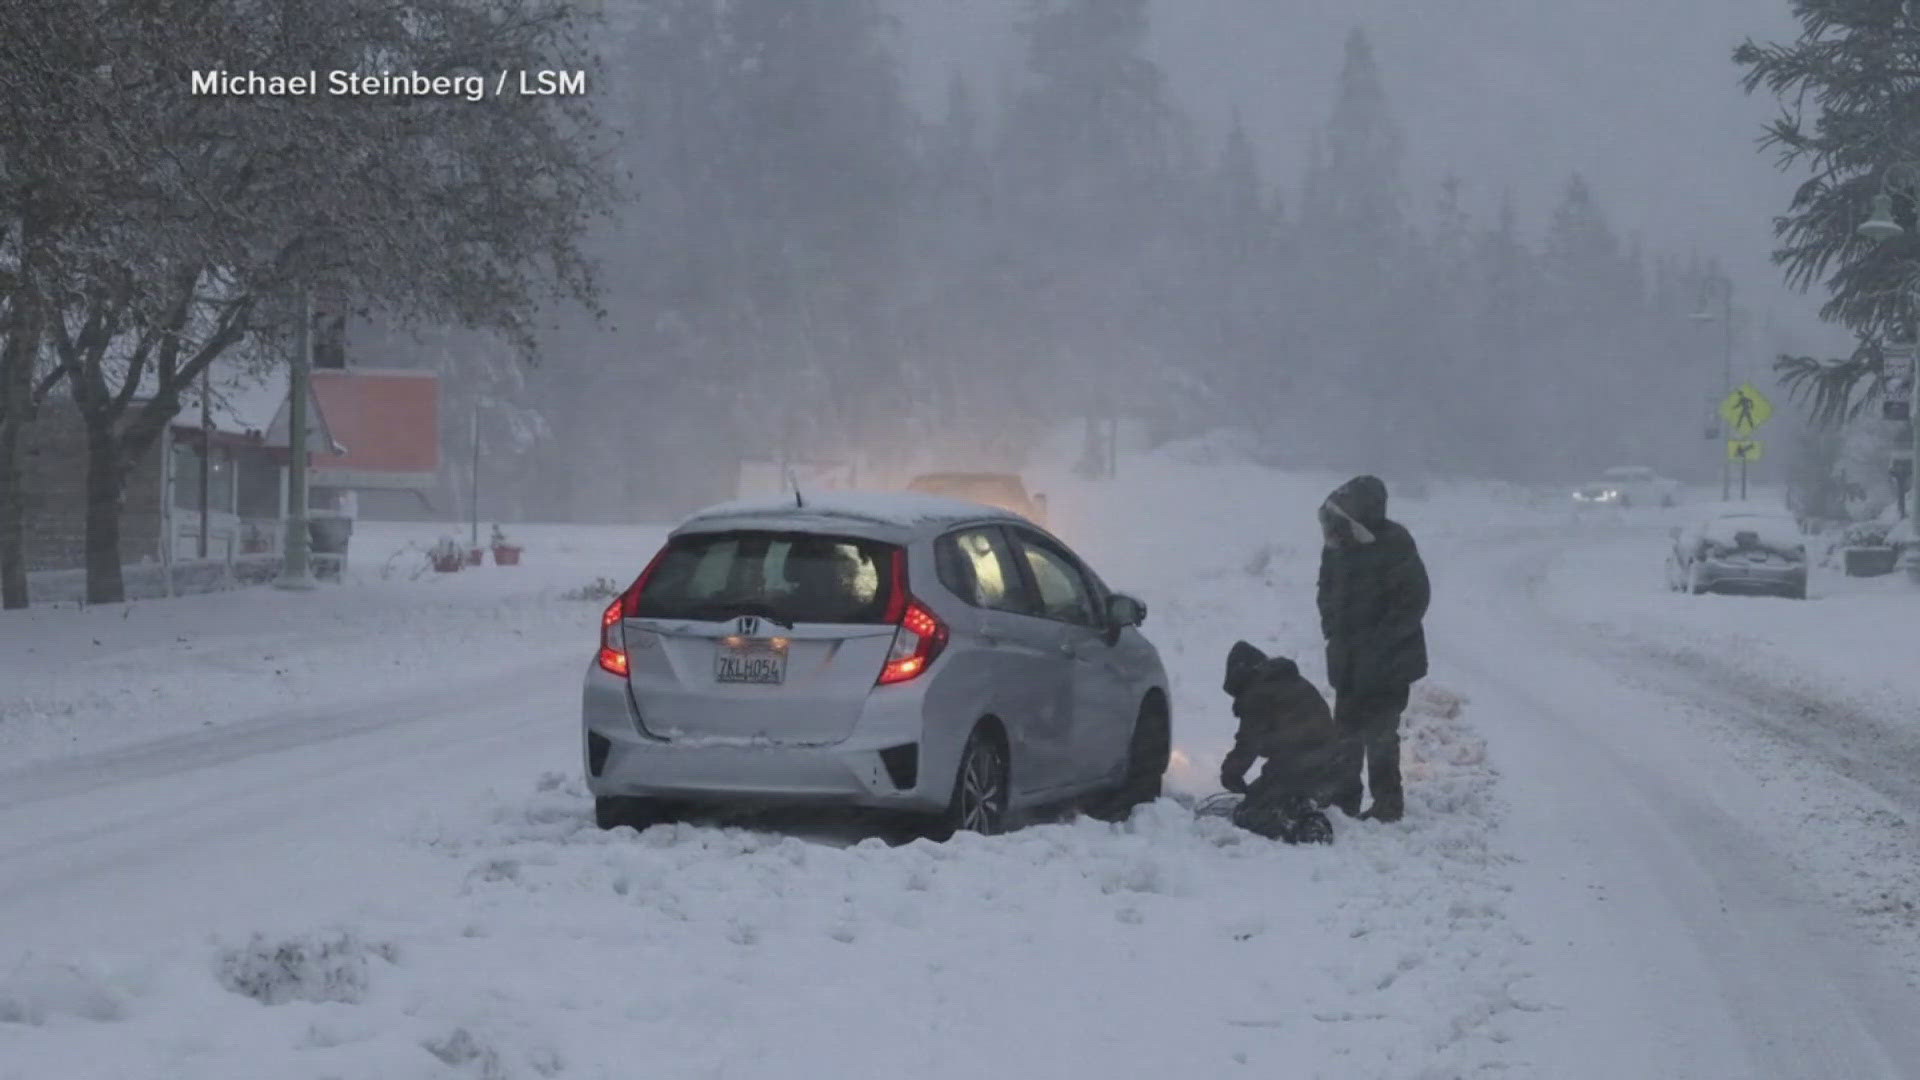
[314, 967]
[600, 588]
[1866, 534]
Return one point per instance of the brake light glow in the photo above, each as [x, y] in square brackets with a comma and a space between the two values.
[613, 637]
[916, 643]
[613, 644]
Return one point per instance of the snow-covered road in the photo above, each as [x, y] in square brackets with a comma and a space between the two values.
[1684, 911]
[1610, 868]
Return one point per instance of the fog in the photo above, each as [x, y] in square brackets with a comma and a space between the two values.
[821, 258]
[1637, 95]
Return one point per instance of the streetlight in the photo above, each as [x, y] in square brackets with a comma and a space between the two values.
[1725, 317]
[1881, 227]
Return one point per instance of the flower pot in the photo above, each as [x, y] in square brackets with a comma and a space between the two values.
[1870, 561]
[447, 564]
[476, 556]
[506, 555]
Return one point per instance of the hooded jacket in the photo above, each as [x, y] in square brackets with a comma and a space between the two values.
[1373, 592]
[1282, 719]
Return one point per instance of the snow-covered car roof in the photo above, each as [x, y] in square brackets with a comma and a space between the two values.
[1707, 511]
[894, 512]
[1772, 528]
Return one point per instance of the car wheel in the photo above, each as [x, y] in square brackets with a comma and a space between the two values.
[979, 802]
[638, 814]
[1147, 754]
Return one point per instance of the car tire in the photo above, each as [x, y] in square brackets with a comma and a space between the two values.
[979, 802]
[611, 812]
[1148, 752]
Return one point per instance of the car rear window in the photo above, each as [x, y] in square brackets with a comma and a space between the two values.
[797, 577]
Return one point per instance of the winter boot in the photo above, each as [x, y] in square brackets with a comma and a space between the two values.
[1388, 808]
[1310, 827]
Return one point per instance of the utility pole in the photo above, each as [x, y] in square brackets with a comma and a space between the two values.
[1726, 387]
[206, 461]
[295, 572]
[473, 494]
[1880, 227]
[1725, 285]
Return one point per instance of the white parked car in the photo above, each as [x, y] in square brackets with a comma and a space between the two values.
[890, 651]
[1629, 485]
[1740, 550]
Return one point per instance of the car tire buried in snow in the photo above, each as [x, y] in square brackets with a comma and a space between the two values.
[979, 801]
[1696, 581]
[611, 812]
[1147, 755]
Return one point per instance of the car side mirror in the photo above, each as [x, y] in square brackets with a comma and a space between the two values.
[1123, 610]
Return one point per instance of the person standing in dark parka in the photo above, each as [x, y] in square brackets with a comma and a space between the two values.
[1373, 595]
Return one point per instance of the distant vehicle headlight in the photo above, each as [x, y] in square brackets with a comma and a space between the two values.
[1598, 495]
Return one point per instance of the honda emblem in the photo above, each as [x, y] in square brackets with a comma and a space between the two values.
[747, 626]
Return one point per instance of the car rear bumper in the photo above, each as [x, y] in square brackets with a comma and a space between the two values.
[867, 769]
[1736, 578]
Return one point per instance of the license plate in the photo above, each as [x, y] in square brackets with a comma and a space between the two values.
[760, 662]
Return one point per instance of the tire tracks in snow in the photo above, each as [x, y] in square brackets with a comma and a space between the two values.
[1708, 912]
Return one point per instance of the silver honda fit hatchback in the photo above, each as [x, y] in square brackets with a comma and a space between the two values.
[889, 651]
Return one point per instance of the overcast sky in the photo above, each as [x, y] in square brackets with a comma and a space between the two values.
[1638, 95]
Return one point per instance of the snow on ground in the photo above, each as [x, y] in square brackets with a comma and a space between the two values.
[529, 943]
[1815, 698]
[82, 679]
[1850, 638]
[415, 888]
[1171, 945]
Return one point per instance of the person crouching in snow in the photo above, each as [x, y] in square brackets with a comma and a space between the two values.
[1284, 720]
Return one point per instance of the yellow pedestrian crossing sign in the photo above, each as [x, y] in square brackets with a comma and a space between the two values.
[1744, 450]
[1745, 410]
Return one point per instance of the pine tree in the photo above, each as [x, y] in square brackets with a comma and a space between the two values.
[1353, 197]
[1854, 62]
[1091, 155]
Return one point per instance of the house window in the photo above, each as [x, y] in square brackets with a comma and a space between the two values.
[186, 476]
[220, 480]
[186, 479]
[259, 478]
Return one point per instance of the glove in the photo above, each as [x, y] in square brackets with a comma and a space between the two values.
[1234, 782]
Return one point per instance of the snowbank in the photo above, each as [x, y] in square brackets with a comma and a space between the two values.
[80, 679]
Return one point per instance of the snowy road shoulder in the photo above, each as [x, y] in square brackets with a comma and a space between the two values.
[1814, 698]
[79, 681]
[1171, 945]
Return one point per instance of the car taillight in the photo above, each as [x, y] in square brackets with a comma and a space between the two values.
[613, 637]
[613, 640]
[917, 641]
